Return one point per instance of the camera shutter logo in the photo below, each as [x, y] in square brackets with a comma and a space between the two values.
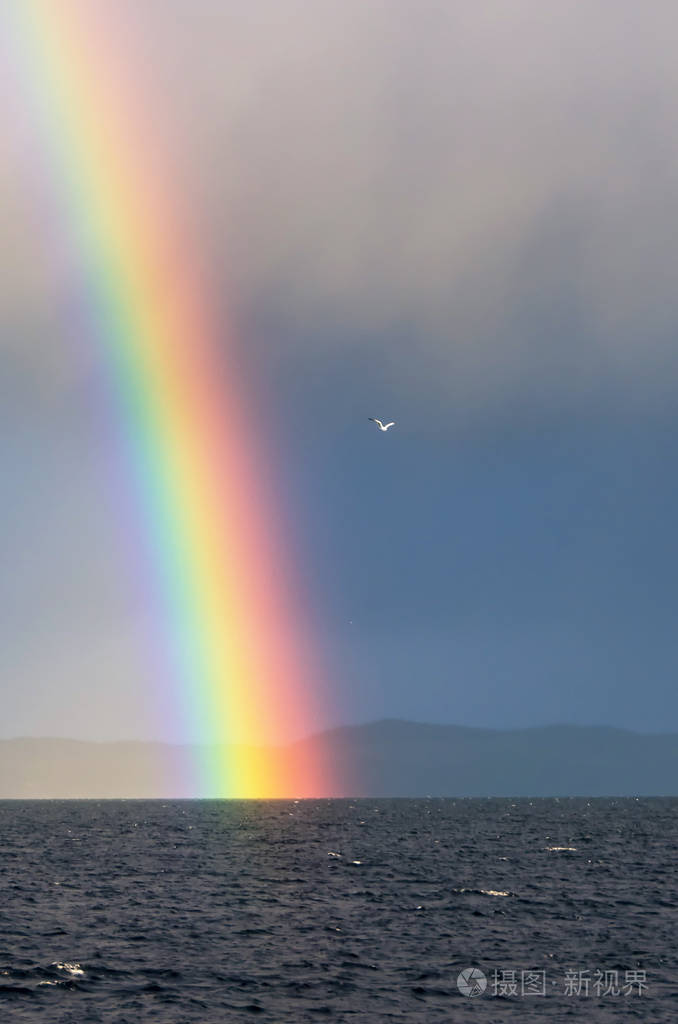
[471, 982]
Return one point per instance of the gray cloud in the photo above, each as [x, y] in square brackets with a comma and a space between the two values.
[498, 179]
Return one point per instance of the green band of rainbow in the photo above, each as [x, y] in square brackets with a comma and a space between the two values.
[230, 621]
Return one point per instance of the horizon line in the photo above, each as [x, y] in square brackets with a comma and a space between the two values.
[339, 728]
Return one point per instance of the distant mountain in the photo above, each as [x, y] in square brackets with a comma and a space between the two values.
[388, 758]
[397, 758]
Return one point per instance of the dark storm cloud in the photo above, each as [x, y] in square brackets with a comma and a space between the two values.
[498, 177]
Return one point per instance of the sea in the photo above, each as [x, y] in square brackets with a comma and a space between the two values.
[430, 910]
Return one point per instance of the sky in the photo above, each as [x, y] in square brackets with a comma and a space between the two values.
[456, 216]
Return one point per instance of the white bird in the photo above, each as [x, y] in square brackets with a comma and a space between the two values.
[382, 426]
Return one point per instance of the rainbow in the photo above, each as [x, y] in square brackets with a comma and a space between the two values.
[239, 666]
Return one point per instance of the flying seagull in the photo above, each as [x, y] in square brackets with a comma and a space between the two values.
[382, 426]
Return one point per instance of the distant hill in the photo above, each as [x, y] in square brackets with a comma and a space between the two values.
[387, 758]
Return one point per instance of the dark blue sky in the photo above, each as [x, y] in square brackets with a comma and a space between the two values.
[510, 569]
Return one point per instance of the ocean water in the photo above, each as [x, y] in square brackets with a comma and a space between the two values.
[338, 910]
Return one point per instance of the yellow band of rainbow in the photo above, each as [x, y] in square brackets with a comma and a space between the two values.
[230, 619]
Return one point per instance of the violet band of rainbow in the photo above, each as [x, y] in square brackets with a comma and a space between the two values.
[241, 672]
